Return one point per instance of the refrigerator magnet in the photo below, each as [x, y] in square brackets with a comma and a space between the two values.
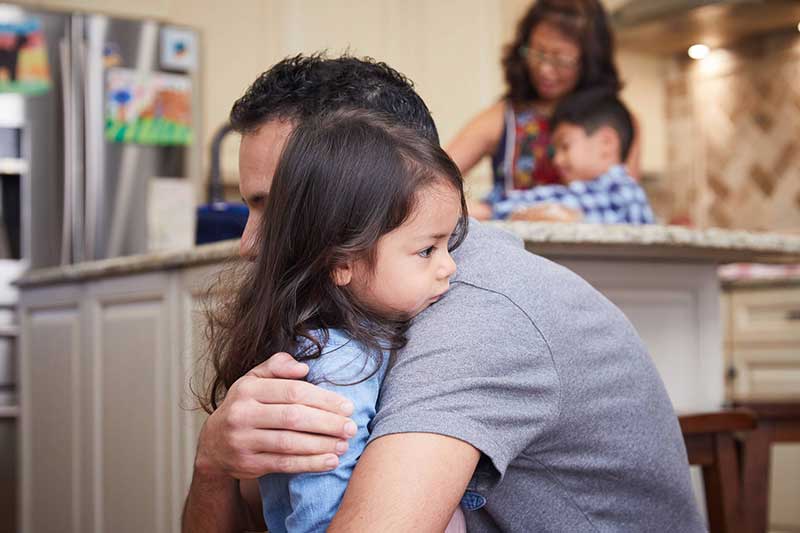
[178, 49]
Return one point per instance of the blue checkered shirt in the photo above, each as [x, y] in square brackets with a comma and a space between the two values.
[611, 198]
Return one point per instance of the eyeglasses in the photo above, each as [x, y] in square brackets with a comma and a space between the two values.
[539, 58]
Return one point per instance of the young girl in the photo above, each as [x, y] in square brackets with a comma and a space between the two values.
[356, 240]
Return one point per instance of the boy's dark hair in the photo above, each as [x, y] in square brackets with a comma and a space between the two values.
[343, 181]
[586, 22]
[303, 87]
[593, 108]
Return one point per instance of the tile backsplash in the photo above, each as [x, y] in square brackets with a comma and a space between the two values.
[734, 138]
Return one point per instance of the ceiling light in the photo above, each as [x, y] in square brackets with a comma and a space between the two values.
[699, 51]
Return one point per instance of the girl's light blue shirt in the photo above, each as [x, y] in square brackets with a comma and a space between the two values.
[299, 503]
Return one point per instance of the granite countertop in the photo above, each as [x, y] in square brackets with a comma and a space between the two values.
[655, 243]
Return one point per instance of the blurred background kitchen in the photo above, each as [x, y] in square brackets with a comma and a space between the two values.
[112, 119]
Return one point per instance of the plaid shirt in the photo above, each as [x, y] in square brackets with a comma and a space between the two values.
[611, 198]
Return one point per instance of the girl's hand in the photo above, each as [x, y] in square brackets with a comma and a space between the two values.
[271, 421]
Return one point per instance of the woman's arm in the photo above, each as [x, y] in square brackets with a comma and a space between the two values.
[478, 138]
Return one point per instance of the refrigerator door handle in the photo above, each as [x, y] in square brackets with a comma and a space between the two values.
[76, 103]
[97, 30]
[66, 88]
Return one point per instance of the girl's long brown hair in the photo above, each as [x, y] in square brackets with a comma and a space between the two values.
[343, 181]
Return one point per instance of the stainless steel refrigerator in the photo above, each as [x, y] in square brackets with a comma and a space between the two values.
[76, 158]
[83, 191]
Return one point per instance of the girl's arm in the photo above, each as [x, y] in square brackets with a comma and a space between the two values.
[478, 138]
[252, 434]
[315, 497]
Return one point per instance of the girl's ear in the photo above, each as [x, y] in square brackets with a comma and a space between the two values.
[342, 274]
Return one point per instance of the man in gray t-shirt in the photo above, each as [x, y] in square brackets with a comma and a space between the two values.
[526, 362]
[522, 375]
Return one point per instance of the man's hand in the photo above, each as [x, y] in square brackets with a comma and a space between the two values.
[272, 422]
[269, 422]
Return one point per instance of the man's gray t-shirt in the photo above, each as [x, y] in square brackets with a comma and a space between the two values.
[529, 364]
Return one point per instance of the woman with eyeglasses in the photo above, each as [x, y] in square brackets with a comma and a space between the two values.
[560, 46]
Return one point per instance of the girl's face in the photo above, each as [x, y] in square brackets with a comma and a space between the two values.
[413, 266]
[554, 61]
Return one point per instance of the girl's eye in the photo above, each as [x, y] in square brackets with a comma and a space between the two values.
[426, 252]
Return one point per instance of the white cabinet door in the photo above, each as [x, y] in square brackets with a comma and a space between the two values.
[50, 416]
[192, 286]
[133, 408]
[675, 309]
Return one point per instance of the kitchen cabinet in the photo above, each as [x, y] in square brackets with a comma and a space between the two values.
[762, 346]
[107, 431]
[108, 350]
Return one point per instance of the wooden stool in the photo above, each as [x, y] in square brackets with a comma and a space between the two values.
[710, 443]
[778, 421]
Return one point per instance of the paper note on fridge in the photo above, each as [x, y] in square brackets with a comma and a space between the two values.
[170, 214]
[148, 107]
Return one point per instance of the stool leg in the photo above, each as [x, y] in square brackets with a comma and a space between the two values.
[755, 478]
[721, 481]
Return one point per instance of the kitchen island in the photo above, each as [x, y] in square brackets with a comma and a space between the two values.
[108, 348]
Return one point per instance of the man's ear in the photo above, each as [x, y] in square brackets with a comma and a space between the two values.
[342, 274]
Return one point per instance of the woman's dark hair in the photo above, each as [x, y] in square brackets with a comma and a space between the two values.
[304, 86]
[343, 181]
[586, 22]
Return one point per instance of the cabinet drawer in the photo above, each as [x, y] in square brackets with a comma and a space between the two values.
[766, 372]
[761, 315]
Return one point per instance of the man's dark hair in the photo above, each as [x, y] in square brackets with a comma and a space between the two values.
[303, 87]
[592, 109]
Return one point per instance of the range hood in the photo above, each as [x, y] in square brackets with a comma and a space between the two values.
[670, 26]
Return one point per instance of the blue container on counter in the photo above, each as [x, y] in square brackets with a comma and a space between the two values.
[219, 221]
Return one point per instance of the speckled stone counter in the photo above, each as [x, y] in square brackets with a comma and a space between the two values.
[656, 243]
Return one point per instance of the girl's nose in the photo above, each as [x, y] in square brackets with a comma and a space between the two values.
[448, 267]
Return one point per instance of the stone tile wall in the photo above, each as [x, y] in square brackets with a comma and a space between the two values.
[734, 138]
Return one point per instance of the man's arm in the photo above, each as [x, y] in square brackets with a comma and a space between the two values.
[406, 482]
[269, 422]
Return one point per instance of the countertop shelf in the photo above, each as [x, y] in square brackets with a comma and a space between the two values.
[9, 411]
[9, 331]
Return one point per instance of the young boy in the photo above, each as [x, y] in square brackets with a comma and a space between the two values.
[592, 134]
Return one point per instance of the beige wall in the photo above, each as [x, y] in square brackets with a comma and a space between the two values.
[450, 48]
